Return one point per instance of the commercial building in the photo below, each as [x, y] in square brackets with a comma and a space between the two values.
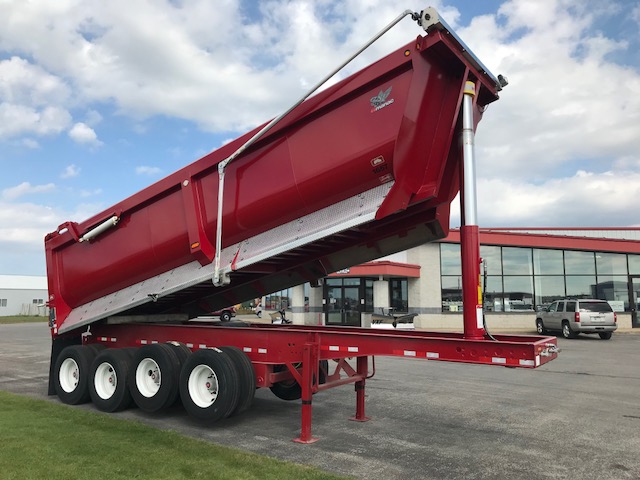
[526, 269]
[23, 295]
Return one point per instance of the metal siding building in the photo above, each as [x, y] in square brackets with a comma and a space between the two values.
[23, 295]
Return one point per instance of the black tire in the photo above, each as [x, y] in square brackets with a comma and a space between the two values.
[246, 378]
[540, 327]
[566, 330]
[154, 377]
[225, 316]
[605, 335]
[182, 352]
[108, 385]
[209, 385]
[290, 389]
[71, 374]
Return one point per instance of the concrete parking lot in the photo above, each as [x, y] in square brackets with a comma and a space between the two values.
[575, 418]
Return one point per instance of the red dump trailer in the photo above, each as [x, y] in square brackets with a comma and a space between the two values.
[365, 168]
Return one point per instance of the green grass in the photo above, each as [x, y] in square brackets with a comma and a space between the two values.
[43, 440]
[22, 319]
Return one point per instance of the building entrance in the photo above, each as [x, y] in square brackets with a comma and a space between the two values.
[342, 303]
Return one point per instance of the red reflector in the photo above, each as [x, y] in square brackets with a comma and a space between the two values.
[615, 317]
[577, 318]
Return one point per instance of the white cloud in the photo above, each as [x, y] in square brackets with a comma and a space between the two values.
[146, 170]
[25, 188]
[31, 100]
[82, 133]
[70, 171]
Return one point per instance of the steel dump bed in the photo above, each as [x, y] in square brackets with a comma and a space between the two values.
[366, 168]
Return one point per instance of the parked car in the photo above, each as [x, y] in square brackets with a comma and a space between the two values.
[225, 314]
[575, 316]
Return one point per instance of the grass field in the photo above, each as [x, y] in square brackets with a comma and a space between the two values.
[22, 319]
[43, 440]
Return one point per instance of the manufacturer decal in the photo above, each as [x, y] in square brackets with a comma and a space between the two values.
[379, 101]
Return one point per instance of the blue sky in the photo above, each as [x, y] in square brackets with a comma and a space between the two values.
[100, 99]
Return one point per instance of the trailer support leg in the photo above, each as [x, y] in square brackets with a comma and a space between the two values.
[309, 365]
[359, 386]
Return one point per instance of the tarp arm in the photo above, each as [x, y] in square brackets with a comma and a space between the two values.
[218, 278]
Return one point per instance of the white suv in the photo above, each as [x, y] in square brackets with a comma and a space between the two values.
[572, 317]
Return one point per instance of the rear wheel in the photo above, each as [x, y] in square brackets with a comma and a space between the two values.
[566, 330]
[209, 385]
[290, 389]
[153, 378]
[605, 335]
[108, 386]
[225, 316]
[540, 327]
[71, 374]
[246, 378]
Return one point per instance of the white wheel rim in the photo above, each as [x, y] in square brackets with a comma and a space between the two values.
[105, 381]
[148, 377]
[69, 375]
[203, 386]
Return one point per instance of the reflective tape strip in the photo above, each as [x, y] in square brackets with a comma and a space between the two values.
[108, 339]
[416, 354]
[262, 350]
[247, 349]
[337, 348]
[498, 360]
[190, 345]
[143, 342]
[202, 345]
[527, 363]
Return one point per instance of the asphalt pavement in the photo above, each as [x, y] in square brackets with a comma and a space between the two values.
[577, 417]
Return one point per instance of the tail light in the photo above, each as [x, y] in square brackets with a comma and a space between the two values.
[615, 317]
[577, 317]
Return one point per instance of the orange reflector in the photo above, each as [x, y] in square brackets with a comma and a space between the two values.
[407, 53]
[195, 245]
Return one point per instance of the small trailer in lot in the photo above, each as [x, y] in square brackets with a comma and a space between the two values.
[365, 168]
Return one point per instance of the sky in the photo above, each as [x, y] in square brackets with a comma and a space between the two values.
[101, 99]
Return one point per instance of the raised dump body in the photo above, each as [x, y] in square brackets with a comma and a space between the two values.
[366, 168]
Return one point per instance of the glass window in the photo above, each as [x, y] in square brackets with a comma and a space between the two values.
[492, 257]
[3, 302]
[518, 293]
[634, 264]
[553, 307]
[450, 263]
[571, 306]
[398, 294]
[548, 289]
[615, 289]
[581, 286]
[333, 282]
[611, 263]
[352, 281]
[579, 263]
[493, 294]
[547, 262]
[451, 294]
[516, 261]
[368, 295]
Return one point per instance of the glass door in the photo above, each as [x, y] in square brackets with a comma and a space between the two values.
[343, 306]
[634, 297]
